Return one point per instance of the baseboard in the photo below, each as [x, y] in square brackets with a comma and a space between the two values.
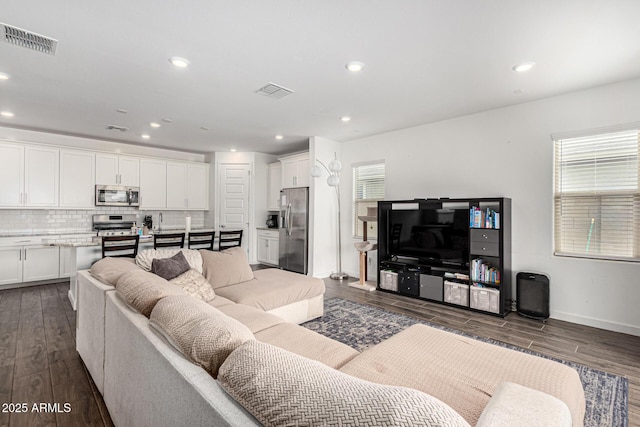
[596, 323]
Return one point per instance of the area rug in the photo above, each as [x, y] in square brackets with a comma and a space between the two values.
[362, 326]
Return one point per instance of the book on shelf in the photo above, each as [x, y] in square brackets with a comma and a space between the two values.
[482, 271]
[484, 218]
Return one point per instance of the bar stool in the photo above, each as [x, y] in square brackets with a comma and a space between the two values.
[122, 246]
[171, 240]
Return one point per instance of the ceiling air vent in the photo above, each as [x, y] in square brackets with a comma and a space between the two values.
[28, 39]
[274, 91]
[115, 127]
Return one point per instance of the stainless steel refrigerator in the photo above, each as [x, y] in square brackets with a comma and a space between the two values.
[294, 229]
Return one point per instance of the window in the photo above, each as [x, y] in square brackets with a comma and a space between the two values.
[597, 202]
[368, 188]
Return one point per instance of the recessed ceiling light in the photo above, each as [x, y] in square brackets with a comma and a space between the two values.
[354, 66]
[345, 119]
[6, 113]
[4, 76]
[525, 66]
[154, 124]
[179, 62]
[145, 136]
[278, 137]
[233, 150]
[122, 110]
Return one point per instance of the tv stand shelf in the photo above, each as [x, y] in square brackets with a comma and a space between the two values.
[452, 251]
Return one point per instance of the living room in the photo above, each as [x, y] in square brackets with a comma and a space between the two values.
[499, 145]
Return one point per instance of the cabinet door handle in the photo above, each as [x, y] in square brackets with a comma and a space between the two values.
[20, 255]
[25, 254]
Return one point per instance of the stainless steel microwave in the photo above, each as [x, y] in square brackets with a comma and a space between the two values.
[116, 195]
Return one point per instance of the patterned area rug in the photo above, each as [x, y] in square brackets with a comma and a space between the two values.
[361, 326]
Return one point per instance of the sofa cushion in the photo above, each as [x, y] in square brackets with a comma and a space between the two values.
[272, 288]
[145, 258]
[304, 342]
[293, 390]
[463, 372]
[254, 319]
[201, 332]
[220, 301]
[170, 268]
[142, 290]
[226, 267]
[110, 269]
[194, 284]
[516, 405]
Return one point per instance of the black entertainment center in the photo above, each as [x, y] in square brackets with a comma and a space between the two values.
[451, 251]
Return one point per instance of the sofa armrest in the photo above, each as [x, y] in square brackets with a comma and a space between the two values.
[516, 405]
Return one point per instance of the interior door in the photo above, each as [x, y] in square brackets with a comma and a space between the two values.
[234, 199]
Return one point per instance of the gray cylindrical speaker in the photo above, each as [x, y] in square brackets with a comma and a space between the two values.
[532, 295]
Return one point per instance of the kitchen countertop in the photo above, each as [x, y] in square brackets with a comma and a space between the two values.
[267, 228]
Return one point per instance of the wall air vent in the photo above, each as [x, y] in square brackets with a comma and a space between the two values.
[28, 39]
[115, 127]
[274, 91]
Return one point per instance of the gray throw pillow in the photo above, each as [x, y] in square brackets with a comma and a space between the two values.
[170, 268]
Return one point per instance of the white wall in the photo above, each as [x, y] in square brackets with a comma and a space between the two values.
[323, 204]
[508, 152]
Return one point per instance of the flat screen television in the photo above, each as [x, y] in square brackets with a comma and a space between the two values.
[434, 234]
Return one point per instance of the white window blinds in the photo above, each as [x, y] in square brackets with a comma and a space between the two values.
[597, 202]
[368, 188]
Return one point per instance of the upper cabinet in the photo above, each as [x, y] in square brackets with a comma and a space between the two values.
[274, 187]
[29, 176]
[112, 169]
[153, 184]
[77, 179]
[187, 186]
[295, 170]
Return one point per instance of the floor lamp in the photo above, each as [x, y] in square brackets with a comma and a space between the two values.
[333, 180]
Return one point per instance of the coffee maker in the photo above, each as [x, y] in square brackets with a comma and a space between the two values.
[148, 222]
[272, 220]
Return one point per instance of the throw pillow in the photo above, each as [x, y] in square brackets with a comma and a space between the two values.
[194, 284]
[282, 388]
[109, 269]
[202, 333]
[170, 268]
[142, 290]
[146, 257]
[226, 267]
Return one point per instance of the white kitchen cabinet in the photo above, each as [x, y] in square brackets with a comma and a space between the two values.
[153, 184]
[77, 179]
[67, 262]
[28, 264]
[295, 170]
[11, 175]
[187, 186]
[40, 263]
[268, 247]
[113, 169]
[11, 262]
[274, 186]
[198, 186]
[29, 176]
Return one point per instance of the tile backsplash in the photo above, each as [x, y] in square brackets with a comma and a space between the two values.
[33, 221]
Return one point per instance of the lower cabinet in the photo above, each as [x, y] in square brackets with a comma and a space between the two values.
[268, 247]
[29, 264]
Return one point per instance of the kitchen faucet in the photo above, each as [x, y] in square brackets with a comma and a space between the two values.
[160, 225]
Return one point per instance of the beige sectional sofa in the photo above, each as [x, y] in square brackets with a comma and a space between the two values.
[187, 361]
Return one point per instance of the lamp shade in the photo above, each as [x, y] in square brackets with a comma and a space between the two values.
[333, 180]
[335, 165]
[316, 172]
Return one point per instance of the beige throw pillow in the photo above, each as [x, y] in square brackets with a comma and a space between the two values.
[110, 269]
[282, 388]
[194, 284]
[142, 290]
[202, 333]
[226, 267]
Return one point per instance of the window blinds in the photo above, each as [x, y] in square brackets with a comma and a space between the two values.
[368, 188]
[596, 197]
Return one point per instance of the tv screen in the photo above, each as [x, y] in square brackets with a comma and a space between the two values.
[434, 235]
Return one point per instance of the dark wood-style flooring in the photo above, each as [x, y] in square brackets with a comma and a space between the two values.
[38, 361]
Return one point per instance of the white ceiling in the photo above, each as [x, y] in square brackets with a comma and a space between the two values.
[426, 60]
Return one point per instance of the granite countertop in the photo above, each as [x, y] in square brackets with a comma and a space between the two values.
[267, 228]
[31, 233]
